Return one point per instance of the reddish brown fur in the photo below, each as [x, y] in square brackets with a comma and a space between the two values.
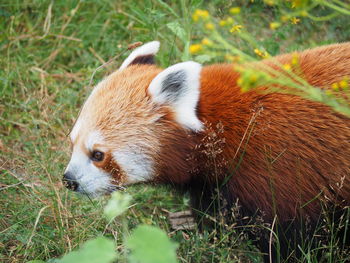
[111, 167]
[308, 141]
[293, 149]
[281, 153]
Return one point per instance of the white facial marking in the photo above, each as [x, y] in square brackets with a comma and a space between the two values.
[187, 99]
[94, 137]
[137, 166]
[150, 48]
[91, 180]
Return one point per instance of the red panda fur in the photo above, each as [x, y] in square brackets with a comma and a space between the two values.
[297, 153]
[276, 153]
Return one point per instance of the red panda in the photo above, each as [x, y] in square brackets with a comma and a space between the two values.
[192, 126]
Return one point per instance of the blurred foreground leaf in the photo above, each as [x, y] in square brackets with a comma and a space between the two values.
[149, 244]
[117, 205]
[98, 250]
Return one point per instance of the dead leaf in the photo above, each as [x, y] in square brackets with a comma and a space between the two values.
[182, 220]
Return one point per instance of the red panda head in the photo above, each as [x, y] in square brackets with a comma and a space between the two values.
[119, 135]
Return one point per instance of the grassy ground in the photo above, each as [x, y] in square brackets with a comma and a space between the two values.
[48, 51]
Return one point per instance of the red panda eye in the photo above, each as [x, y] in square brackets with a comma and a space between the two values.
[97, 156]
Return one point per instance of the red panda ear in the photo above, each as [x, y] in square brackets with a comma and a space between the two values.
[142, 55]
[179, 87]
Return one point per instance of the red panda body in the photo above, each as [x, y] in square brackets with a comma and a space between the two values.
[193, 127]
[297, 151]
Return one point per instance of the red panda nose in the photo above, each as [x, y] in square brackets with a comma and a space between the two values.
[69, 181]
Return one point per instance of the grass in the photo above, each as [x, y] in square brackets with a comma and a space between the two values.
[48, 51]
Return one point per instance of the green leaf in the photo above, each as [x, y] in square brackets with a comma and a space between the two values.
[149, 244]
[36, 261]
[98, 250]
[166, 6]
[117, 205]
[203, 58]
[178, 30]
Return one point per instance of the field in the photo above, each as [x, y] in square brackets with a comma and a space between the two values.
[48, 53]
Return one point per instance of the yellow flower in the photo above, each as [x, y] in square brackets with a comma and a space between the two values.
[261, 53]
[295, 59]
[236, 28]
[344, 83]
[195, 48]
[269, 2]
[239, 81]
[298, 3]
[287, 66]
[335, 86]
[207, 42]
[274, 25]
[205, 14]
[222, 23]
[295, 20]
[226, 22]
[209, 26]
[200, 14]
[235, 10]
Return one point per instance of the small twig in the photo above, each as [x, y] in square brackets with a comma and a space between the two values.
[9, 186]
[35, 225]
[72, 13]
[14, 122]
[251, 121]
[47, 22]
[51, 57]
[68, 38]
[93, 51]
[105, 64]
[131, 46]
[19, 177]
[270, 240]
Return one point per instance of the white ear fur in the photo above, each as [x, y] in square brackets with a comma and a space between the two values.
[150, 48]
[179, 87]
